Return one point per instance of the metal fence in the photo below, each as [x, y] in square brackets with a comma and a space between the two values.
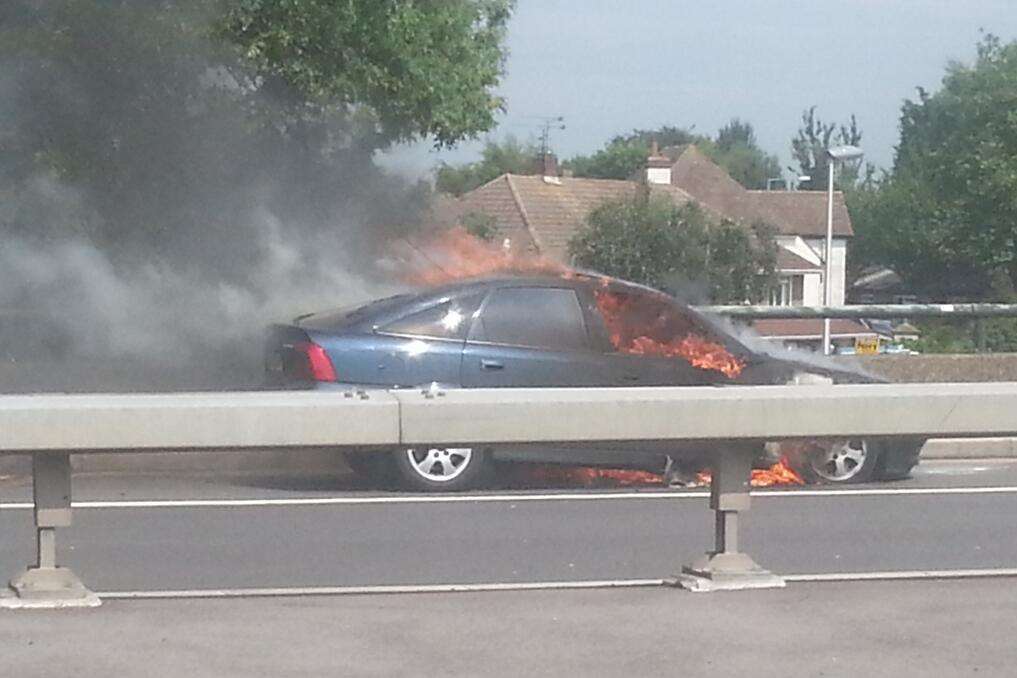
[866, 311]
[729, 422]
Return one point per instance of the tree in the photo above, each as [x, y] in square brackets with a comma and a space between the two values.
[508, 157]
[625, 154]
[809, 146]
[948, 210]
[734, 148]
[417, 68]
[614, 161]
[650, 240]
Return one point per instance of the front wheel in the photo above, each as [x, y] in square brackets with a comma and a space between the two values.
[442, 469]
[854, 460]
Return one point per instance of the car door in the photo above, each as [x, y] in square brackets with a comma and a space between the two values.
[426, 344]
[530, 336]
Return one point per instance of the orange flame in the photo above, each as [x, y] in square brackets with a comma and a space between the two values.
[780, 473]
[454, 254]
[706, 355]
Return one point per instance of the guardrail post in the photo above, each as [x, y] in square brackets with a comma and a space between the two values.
[727, 568]
[46, 584]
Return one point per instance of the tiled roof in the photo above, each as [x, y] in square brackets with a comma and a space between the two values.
[789, 261]
[794, 328]
[710, 185]
[790, 212]
[547, 213]
[802, 212]
[540, 213]
[496, 199]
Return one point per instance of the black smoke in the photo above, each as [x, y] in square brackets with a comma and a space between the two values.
[159, 204]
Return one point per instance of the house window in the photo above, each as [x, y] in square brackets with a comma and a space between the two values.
[789, 291]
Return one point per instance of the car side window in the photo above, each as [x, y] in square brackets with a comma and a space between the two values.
[632, 318]
[538, 317]
[446, 320]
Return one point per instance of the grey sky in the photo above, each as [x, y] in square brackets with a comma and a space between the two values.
[608, 67]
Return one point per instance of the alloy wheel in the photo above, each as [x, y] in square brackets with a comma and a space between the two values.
[840, 461]
[439, 464]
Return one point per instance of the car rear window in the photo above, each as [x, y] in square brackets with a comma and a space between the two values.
[447, 320]
[328, 320]
[540, 317]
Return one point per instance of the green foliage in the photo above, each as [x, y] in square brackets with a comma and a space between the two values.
[1000, 335]
[994, 335]
[942, 336]
[948, 211]
[625, 154]
[735, 149]
[617, 160]
[809, 146]
[647, 239]
[165, 141]
[480, 225]
[420, 68]
[507, 157]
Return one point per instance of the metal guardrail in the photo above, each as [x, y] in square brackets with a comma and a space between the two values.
[732, 419]
[866, 311]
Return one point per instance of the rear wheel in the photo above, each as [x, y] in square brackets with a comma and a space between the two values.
[442, 469]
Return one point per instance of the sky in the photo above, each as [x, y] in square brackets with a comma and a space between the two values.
[608, 67]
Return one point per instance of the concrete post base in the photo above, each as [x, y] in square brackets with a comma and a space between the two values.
[726, 568]
[725, 572]
[48, 587]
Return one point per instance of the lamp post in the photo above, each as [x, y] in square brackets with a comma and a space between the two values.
[834, 155]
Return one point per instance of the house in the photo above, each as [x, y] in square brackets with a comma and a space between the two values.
[542, 212]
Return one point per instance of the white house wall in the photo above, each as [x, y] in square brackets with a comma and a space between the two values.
[812, 289]
[811, 249]
[839, 268]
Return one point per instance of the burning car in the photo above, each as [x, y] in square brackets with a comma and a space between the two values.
[550, 331]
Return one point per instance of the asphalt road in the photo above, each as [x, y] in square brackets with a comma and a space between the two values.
[318, 531]
[872, 629]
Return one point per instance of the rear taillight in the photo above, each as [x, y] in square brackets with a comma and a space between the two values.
[318, 365]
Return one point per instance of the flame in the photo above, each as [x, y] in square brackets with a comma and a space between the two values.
[455, 254]
[780, 473]
[586, 476]
[641, 329]
[623, 321]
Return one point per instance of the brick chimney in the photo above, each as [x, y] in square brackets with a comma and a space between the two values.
[658, 167]
[547, 165]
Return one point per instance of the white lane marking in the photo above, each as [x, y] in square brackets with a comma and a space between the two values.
[902, 574]
[362, 590]
[534, 586]
[511, 498]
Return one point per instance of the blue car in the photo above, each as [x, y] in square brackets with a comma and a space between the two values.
[581, 330]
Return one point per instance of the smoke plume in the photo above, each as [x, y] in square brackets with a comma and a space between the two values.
[159, 205]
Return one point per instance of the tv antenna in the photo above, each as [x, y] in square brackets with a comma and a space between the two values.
[548, 123]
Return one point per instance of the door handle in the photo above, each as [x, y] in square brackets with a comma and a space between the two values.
[630, 377]
[492, 365]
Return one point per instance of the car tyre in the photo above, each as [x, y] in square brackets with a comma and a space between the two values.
[854, 460]
[376, 468]
[442, 469]
[898, 458]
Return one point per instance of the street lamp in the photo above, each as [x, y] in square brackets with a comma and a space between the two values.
[834, 155]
